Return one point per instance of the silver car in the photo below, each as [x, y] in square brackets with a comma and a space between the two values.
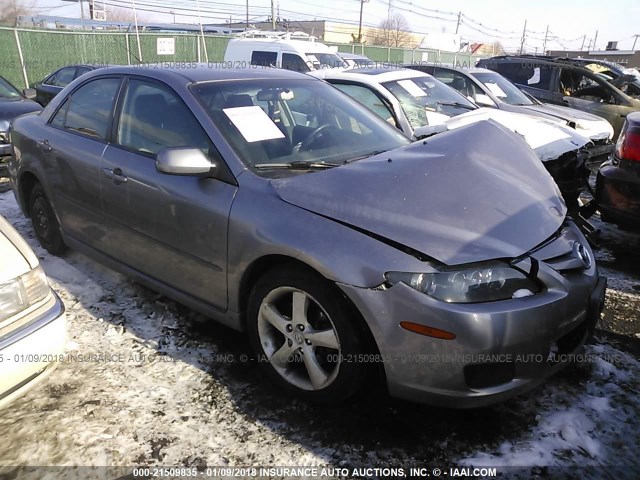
[275, 204]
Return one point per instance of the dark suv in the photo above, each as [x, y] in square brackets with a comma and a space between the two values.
[566, 82]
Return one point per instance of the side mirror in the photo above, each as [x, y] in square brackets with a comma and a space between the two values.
[484, 100]
[183, 161]
[29, 93]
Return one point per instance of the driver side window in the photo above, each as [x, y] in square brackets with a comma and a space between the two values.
[580, 85]
[369, 99]
[153, 118]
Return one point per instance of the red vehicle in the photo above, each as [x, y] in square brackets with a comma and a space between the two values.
[618, 181]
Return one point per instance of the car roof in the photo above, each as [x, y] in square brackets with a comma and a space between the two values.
[469, 70]
[370, 75]
[204, 72]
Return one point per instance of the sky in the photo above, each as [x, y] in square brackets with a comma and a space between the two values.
[569, 21]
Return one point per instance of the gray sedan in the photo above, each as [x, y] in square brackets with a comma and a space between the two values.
[272, 202]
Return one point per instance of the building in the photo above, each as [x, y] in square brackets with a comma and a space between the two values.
[628, 58]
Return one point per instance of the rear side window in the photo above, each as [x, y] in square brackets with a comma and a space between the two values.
[264, 59]
[90, 107]
[291, 61]
[62, 77]
[527, 74]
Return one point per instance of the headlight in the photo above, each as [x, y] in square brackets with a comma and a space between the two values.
[22, 292]
[4, 131]
[473, 285]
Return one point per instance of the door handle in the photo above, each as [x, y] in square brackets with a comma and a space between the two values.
[115, 175]
[43, 145]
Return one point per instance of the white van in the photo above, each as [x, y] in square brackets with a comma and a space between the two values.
[298, 55]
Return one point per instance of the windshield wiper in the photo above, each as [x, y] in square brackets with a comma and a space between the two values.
[370, 154]
[297, 165]
[456, 104]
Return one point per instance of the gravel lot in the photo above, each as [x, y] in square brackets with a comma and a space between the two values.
[148, 382]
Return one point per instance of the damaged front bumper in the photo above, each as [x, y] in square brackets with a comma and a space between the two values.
[500, 348]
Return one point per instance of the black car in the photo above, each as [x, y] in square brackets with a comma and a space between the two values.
[12, 104]
[618, 180]
[565, 82]
[54, 83]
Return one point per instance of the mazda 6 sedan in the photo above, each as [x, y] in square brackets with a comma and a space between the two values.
[275, 204]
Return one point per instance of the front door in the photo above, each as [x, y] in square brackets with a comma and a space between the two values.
[171, 228]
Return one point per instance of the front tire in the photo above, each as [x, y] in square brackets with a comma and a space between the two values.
[305, 335]
[44, 221]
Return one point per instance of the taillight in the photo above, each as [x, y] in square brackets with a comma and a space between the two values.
[628, 145]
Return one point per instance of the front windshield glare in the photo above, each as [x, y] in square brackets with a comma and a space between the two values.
[503, 88]
[427, 101]
[7, 90]
[284, 121]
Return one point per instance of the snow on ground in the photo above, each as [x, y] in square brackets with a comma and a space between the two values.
[148, 382]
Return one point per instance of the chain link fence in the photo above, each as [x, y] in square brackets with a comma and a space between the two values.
[28, 55]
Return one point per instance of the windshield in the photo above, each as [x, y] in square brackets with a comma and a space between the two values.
[427, 101]
[502, 88]
[325, 60]
[291, 122]
[8, 91]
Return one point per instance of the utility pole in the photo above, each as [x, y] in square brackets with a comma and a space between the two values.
[524, 35]
[544, 44]
[173, 12]
[582, 46]
[273, 17]
[595, 40]
[247, 14]
[458, 24]
[360, 24]
[634, 41]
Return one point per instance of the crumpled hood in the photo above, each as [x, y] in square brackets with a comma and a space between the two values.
[472, 194]
[587, 124]
[548, 139]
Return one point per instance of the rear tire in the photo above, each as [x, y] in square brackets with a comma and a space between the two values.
[305, 336]
[44, 221]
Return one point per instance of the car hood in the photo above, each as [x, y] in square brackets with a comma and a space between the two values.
[548, 139]
[469, 195]
[17, 257]
[586, 124]
[11, 109]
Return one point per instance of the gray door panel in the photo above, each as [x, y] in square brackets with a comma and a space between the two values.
[172, 228]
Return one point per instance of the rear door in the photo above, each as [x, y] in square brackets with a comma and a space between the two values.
[171, 228]
[538, 79]
[71, 147]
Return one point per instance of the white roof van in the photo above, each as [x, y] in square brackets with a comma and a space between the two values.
[298, 55]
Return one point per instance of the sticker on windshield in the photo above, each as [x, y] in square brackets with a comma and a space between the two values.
[253, 123]
[413, 89]
[495, 89]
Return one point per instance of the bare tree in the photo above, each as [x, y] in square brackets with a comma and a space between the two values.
[10, 10]
[124, 15]
[393, 32]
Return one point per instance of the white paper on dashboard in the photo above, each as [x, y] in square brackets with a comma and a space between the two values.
[411, 87]
[495, 89]
[253, 123]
